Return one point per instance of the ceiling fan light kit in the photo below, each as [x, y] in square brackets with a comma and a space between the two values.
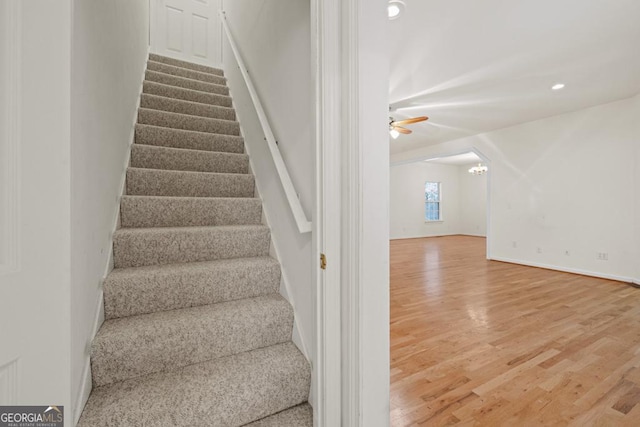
[395, 8]
[397, 127]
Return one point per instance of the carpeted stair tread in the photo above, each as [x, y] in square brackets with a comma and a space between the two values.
[159, 211]
[298, 416]
[168, 91]
[136, 247]
[185, 82]
[231, 391]
[140, 290]
[152, 157]
[177, 138]
[185, 64]
[173, 105]
[139, 345]
[196, 331]
[158, 182]
[187, 122]
[185, 72]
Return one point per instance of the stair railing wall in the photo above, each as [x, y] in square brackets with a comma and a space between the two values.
[303, 224]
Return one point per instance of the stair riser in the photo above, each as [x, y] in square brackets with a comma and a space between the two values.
[185, 122]
[185, 72]
[172, 105]
[159, 89]
[150, 182]
[165, 137]
[140, 212]
[233, 391]
[188, 245]
[169, 340]
[146, 156]
[168, 79]
[298, 416]
[185, 64]
[149, 290]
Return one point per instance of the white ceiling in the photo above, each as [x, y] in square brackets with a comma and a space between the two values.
[458, 160]
[474, 66]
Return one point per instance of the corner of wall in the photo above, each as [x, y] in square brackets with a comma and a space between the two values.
[86, 384]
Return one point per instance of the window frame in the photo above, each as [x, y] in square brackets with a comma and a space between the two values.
[438, 202]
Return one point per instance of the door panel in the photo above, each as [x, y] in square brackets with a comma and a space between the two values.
[35, 50]
[9, 248]
[187, 29]
[174, 33]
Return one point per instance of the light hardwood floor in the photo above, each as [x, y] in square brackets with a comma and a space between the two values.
[477, 342]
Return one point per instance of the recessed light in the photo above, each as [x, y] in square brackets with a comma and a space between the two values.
[557, 86]
[395, 8]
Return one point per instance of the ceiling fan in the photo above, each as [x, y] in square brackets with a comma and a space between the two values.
[396, 127]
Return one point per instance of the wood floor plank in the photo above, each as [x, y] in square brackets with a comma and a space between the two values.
[484, 343]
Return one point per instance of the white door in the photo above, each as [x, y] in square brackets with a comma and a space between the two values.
[187, 29]
[35, 48]
[10, 292]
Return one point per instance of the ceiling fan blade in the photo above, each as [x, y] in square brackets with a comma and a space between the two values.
[411, 120]
[402, 130]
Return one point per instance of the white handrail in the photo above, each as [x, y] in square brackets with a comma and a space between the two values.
[304, 225]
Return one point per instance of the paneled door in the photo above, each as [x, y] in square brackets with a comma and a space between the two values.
[187, 29]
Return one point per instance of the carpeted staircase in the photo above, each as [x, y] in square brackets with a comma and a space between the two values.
[196, 333]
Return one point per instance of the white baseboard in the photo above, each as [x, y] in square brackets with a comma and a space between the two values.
[436, 235]
[567, 269]
[86, 387]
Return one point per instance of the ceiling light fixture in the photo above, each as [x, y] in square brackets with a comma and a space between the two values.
[557, 86]
[395, 8]
[478, 170]
[394, 133]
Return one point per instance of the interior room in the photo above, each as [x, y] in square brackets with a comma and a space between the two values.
[459, 205]
[537, 324]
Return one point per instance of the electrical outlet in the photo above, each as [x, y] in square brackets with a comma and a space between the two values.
[539, 250]
[514, 244]
[566, 253]
[602, 256]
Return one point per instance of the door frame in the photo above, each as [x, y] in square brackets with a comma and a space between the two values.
[485, 159]
[350, 75]
[326, 78]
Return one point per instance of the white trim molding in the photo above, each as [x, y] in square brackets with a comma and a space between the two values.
[566, 269]
[10, 136]
[352, 243]
[9, 373]
[327, 74]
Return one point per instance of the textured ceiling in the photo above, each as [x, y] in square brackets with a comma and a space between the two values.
[474, 66]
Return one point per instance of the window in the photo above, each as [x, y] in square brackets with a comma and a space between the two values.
[432, 201]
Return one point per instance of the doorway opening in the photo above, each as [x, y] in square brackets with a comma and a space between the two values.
[441, 196]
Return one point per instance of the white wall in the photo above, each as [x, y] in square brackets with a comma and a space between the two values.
[407, 200]
[464, 200]
[564, 183]
[273, 37]
[110, 43]
[34, 290]
[473, 202]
